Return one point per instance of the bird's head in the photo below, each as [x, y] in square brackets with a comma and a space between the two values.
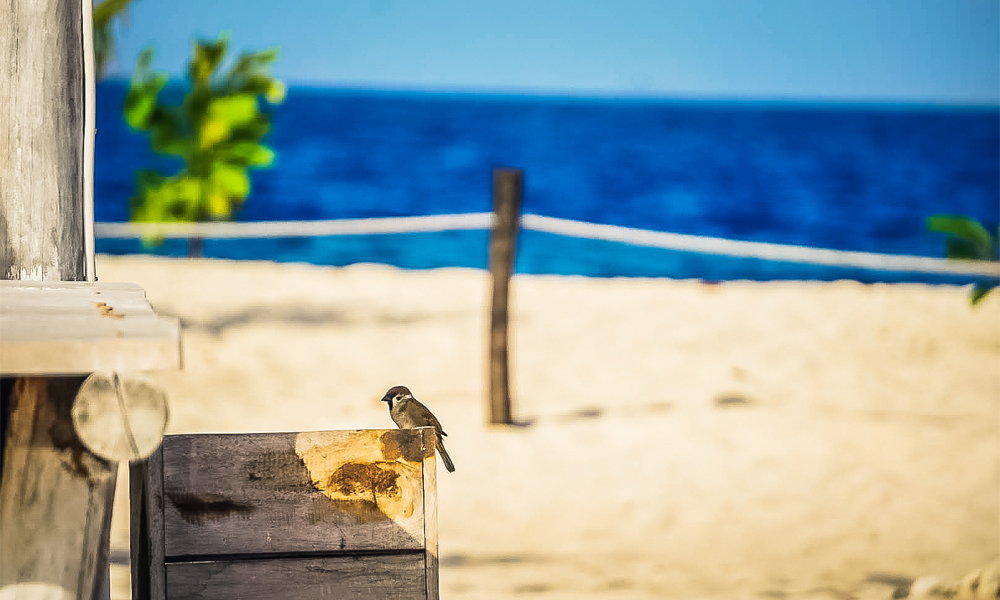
[395, 394]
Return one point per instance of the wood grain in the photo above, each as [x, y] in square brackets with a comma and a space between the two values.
[56, 497]
[120, 418]
[146, 528]
[431, 525]
[361, 577]
[507, 184]
[330, 514]
[284, 492]
[41, 141]
[69, 328]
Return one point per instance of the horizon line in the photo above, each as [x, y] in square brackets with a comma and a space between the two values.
[613, 95]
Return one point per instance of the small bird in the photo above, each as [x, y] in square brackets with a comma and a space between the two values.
[408, 413]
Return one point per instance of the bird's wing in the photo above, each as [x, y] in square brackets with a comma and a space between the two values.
[426, 416]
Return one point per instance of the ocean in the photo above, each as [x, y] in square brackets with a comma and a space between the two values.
[838, 176]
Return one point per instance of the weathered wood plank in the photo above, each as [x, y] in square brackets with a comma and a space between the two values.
[41, 141]
[336, 491]
[71, 297]
[55, 500]
[376, 577]
[64, 328]
[431, 525]
[146, 528]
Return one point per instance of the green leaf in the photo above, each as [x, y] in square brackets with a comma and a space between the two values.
[207, 56]
[980, 290]
[211, 132]
[160, 199]
[268, 56]
[276, 92]
[968, 240]
[962, 227]
[234, 110]
[964, 249]
[249, 153]
[171, 134]
[230, 180]
[225, 114]
[138, 109]
[254, 84]
[219, 207]
[141, 101]
[252, 131]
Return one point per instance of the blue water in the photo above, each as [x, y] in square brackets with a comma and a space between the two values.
[832, 176]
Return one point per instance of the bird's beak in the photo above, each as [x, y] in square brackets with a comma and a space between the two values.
[385, 399]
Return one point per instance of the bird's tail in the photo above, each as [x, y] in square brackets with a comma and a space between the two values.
[444, 456]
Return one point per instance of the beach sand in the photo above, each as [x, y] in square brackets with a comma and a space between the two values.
[679, 440]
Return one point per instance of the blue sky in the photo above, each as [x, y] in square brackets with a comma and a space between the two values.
[937, 51]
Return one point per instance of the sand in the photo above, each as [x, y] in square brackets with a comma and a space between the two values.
[678, 440]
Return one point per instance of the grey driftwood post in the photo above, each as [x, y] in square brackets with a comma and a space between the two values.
[507, 186]
[46, 469]
[41, 141]
[55, 494]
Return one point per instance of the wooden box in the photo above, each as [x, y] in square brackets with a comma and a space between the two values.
[332, 514]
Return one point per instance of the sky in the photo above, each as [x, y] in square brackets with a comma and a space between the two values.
[922, 51]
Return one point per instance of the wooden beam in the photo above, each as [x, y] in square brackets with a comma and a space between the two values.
[71, 328]
[387, 576]
[55, 501]
[507, 186]
[41, 141]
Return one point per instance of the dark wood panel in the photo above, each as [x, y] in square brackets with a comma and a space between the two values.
[146, 528]
[361, 577]
[242, 494]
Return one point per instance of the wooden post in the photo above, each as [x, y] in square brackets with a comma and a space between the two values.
[55, 496]
[41, 141]
[507, 186]
[55, 500]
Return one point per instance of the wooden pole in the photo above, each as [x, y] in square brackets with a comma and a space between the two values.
[507, 191]
[55, 500]
[55, 495]
[41, 141]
